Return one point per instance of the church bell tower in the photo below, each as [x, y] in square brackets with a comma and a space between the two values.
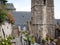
[42, 21]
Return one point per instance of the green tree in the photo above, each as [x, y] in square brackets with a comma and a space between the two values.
[3, 1]
[2, 16]
[3, 11]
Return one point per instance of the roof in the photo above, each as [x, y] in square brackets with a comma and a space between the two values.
[10, 6]
[21, 18]
[57, 21]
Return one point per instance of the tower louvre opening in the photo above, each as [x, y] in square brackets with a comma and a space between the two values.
[44, 1]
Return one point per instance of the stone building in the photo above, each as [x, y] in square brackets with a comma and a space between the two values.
[42, 21]
[10, 7]
[21, 19]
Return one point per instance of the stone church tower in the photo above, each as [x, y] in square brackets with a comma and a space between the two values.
[42, 20]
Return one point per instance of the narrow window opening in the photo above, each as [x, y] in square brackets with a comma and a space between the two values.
[44, 2]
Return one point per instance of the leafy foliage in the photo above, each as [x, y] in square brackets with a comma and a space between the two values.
[3, 1]
[2, 16]
[28, 37]
[6, 40]
[3, 11]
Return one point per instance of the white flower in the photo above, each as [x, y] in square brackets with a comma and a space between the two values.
[2, 42]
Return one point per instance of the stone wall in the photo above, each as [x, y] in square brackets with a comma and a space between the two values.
[42, 18]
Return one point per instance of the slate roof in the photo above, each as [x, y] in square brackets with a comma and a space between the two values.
[21, 18]
[10, 6]
[57, 21]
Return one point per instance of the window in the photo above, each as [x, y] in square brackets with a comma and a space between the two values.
[44, 1]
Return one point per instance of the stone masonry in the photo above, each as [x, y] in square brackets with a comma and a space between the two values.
[42, 20]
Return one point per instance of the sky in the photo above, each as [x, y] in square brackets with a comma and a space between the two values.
[25, 5]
